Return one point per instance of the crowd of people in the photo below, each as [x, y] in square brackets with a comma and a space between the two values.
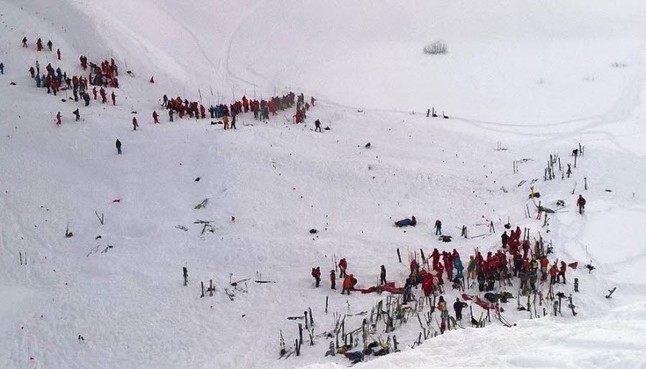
[261, 109]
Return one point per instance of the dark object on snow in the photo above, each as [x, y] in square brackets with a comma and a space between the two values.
[492, 297]
[406, 222]
[607, 190]
[575, 152]
[327, 128]
[590, 268]
[314, 231]
[13, 83]
[445, 238]
[535, 195]
[560, 294]
[197, 179]
[97, 237]
[507, 226]
[475, 323]
[611, 292]
[367, 145]
[560, 203]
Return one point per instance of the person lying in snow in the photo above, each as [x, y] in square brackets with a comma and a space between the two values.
[406, 222]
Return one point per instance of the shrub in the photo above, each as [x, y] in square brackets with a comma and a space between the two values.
[436, 48]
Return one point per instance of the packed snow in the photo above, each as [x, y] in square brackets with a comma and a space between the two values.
[93, 243]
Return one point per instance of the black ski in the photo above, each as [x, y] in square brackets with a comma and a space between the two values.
[611, 292]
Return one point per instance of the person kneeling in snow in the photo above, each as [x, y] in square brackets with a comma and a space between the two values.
[406, 222]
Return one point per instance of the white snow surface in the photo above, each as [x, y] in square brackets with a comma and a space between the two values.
[521, 80]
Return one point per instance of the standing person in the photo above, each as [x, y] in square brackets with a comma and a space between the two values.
[544, 264]
[225, 121]
[118, 144]
[458, 306]
[317, 125]
[49, 45]
[343, 265]
[104, 97]
[155, 117]
[444, 313]
[58, 118]
[170, 114]
[382, 276]
[580, 202]
[553, 272]
[316, 273]
[134, 123]
[24, 42]
[1, 68]
[114, 98]
[77, 114]
[438, 227]
[86, 98]
[58, 54]
[561, 273]
[233, 121]
[332, 280]
[471, 268]
[39, 45]
[347, 284]
[504, 238]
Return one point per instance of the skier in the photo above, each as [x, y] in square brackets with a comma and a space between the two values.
[406, 222]
[471, 268]
[332, 280]
[316, 273]
[58, 118]
[134, 123]
[317, 124]
[553, 272]
[561, 272]
[343, 265]
[438, 227]
[458, 306]
[77, 114]
[444, 313]
[347, 284]
[104, 97]
[114, 98]
[459, 268]
[24, 42]
[233, 121]
[544, 264]
[382, 276]
[580, 202]
[504, 238]
[155, 117]
[49, 45]
[58, 54]
[118, 144]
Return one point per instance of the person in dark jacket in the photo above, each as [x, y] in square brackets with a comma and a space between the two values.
[77, 115]
[406, 222]
[504, 237]
[332, 280]
[458, 306]
[118, 144]
[382, 276]
[580, 202]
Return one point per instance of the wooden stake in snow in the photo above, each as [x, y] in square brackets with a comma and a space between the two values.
[99, 217]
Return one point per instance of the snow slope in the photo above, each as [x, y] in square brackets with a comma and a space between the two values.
[534, 79]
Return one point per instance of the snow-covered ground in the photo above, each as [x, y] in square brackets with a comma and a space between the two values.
[521, 80]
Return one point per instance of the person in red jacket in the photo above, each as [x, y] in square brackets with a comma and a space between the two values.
[439, 270]
[436, 258]
[316, 273]
[348, 284]
[427, 285]
[155, 117]
[39, 45]
[553, 272]
[544, 264]
[343, 265]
